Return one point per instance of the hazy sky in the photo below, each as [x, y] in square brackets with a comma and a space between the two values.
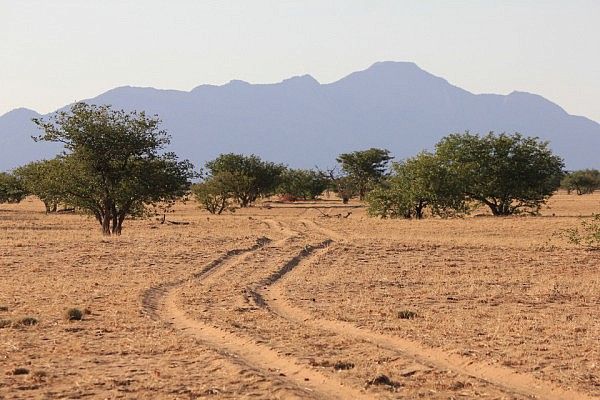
[56, 52]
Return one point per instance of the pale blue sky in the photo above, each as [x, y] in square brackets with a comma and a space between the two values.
[56, 52]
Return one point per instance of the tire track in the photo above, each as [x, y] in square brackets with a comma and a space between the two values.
[152, 297]
[271, 295]
[160, 303]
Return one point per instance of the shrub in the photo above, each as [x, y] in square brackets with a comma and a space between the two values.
[416, 184]
[20, 371]
[302, 184]
[246, 178]
[582, 182]
[384, 380]
[74, 314]
[27, 321]
[407, 314]
[213, 194]
[588, 234]
[11, 189]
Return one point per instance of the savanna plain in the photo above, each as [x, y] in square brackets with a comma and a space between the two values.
[299, 300]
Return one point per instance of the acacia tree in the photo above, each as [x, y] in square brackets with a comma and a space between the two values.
[302, 184]
[246, 178]
[508, 173]
[44, 180]
[11, 188]
[213, 194]
[415, 184]
[113, 165]
[365, 168]
[582, 182]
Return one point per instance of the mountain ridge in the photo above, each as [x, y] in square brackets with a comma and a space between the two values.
[396, 105]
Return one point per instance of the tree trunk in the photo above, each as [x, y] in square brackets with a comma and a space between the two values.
[106, 224]
[118, 223]
[361, 194]
[419, 210]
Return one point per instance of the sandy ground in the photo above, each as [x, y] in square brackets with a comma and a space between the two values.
[290, 301]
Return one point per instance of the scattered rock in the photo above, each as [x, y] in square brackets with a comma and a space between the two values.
[384, 380]
[20, 371]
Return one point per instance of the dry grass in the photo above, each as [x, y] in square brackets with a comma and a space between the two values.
[504, 291]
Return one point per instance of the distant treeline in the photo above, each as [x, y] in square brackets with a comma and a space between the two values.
[114, 166]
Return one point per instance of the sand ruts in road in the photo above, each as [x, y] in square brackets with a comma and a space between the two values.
[273, 296]
[268, 293]
[160, 302]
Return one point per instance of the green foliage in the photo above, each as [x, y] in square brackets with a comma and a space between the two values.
[113, 166]
[45, 179]
[588, 234]
[213, 194]
[302, 184]
[508, 173]
[246, 177]
[582, 182]
[415, 184]
[11, 188]
[365, 168]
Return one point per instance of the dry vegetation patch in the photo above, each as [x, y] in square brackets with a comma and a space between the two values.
[504, 291]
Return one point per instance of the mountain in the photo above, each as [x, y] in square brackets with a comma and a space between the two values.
[16, 143]
[303, 123]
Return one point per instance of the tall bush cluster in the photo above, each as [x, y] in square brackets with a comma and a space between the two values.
[509, 174]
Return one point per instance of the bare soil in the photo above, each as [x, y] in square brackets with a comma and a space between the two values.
[295, 301]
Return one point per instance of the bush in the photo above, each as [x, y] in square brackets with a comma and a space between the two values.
[11, 189]
[407, 314]
[416, 184]
[588, 234]
[20, 371]
[245, 178]
[582, 182]
[27, 321]
[213, 194]
[74, 314]
[301, 184]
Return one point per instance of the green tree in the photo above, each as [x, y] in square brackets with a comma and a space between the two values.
[302, 184]
[44, 179]
[508, 173]
[213, 193]
[11, 188]
[365, 168]
[247, 177]
[415, 184]
[114, 164]
[582, 182]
